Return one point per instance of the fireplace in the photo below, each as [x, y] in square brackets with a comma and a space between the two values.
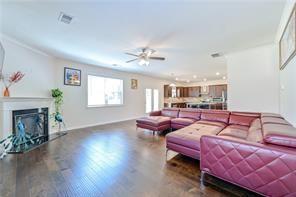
[35, 123]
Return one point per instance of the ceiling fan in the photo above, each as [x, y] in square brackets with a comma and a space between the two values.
[144, 56]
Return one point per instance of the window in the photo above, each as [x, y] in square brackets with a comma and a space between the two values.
[152, 100]
[104, 91]
[148, 100]
[155, 99]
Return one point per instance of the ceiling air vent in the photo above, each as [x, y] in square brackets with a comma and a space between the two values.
[214, 55]
[65, 18]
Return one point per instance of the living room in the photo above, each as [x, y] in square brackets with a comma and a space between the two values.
[116, 88]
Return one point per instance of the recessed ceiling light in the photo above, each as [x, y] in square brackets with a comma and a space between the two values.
[194, 76]
[224, 77]
[217, 73]
[177, 78]
[205, 79]
[188, 81]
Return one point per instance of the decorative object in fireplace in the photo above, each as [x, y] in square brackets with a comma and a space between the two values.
[30, 129]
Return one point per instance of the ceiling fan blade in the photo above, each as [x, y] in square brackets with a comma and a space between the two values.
[157, 58]
[132, 54]
[131, 60]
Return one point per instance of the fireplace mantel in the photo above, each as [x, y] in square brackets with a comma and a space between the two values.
[9, 104]
[22, 99]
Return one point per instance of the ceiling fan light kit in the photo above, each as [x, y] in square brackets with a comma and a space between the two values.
[143, 62]
[144, 56]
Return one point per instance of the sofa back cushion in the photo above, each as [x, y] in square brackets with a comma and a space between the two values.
[253, 114]
[255, 131]
[271, 115]
[279, 134]
[170, 112]
[274, 120]
[243, 120]
[213, 115]
[190, 113]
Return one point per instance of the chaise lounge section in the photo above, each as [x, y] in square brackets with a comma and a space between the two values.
[158, 121]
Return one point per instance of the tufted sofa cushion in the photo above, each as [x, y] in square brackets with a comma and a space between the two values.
[189, 137]
[279, 134]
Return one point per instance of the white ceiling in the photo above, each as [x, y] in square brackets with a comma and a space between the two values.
[185, 32]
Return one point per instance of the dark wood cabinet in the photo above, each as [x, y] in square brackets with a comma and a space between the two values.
[217, 90]
[185, 92]
[180, 91]
[193, 91]
[214, 91]
[167, 91]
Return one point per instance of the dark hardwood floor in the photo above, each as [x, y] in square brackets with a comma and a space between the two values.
[108, 160]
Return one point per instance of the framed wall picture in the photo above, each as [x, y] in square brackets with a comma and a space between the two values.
[134, 84]
[287, 45]
[72, 76]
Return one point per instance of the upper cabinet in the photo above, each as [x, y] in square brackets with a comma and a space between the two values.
[180, 91]
[204, 90]
[196, 91]
[167, 91]
[217, 90]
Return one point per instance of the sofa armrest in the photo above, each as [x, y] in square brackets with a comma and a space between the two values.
[268, 170]
[155, 113]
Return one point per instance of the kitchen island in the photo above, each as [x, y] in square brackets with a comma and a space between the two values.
[195, 103]
[207, 105]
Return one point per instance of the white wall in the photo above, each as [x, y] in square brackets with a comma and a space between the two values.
[253, 80]
[287, 75]
[38, 67]
[75, 109]
[43, 72]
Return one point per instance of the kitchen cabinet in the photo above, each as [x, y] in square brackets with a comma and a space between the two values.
[217, 90]
[211, 91]
[204, 90]
[194, 91]
[185, 92]
[167, 91]
[180, 91]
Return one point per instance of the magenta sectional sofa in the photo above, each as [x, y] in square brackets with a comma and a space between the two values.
[256, 151]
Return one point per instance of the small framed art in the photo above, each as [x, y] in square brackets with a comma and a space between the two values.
[72, 76]
[134, 84]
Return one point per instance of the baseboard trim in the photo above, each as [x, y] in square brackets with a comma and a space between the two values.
[99, 124]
